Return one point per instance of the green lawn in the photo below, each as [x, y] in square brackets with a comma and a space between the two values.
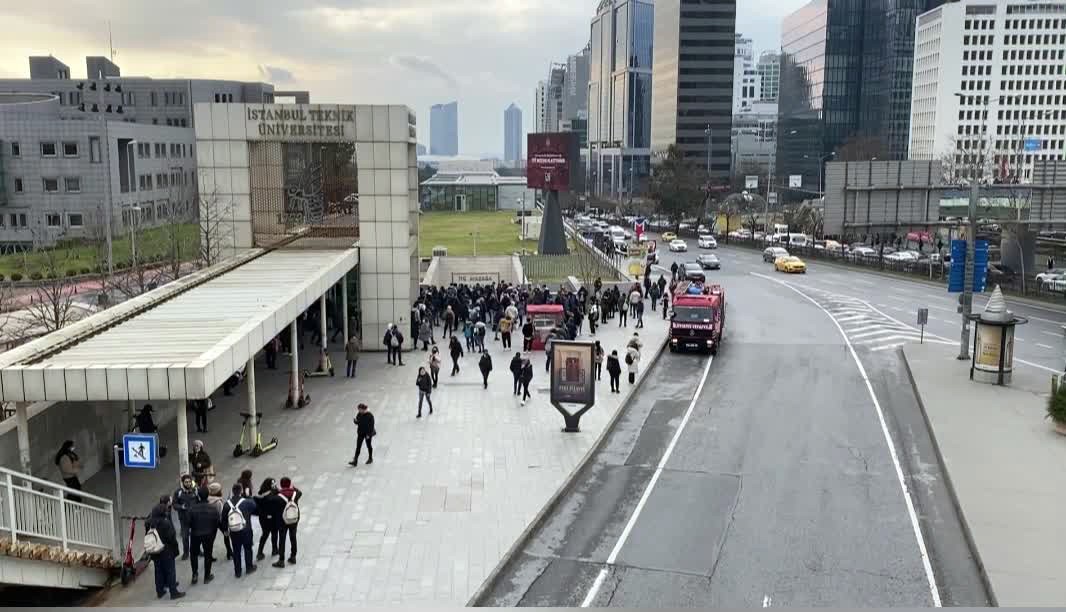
[152, 244]
[496, 234]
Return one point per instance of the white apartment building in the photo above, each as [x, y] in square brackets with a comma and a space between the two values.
[990, 76]
[540, 111]
[747, 83]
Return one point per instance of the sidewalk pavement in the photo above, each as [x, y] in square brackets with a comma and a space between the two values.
[446, 497]
[1005, 465]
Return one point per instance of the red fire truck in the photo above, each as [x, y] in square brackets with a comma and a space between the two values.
[698, 317]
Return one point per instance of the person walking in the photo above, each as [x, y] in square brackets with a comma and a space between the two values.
[237, 518]
[594, 316]
[633, 362]
[506, 325]
[623, 311]
[394, 344]
[203, 522]
[516, 372]
[674, 268]
[166, 571]
[527, 336]
[266, 509]
[639, 313]
[449, 321]
[548, 342]
[183, 499]
[203, 471]
[654, 293]
[526, 377]
[351, 354]
[425, 334]
[614, 370]
[425, 391]
[199, 408]
[434, 365]
[290, 495]
[245, 481]
[480, 331]
[364, 432]
[468, 334]
[214, 497]
[270, 351]
[666, 304]
[456, 351]
[597, 355]
[485, 365]
[69, 465]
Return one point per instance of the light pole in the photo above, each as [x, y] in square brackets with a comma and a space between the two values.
[135, 218]
[475, 235]
[708, 133]
[968, 273]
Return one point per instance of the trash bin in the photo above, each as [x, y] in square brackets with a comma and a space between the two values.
[993, 343]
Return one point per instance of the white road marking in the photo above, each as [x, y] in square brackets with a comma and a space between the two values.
[1044, 346]
[885, 347]
[880, 332]
[598, 583]
[1035, 365]
[853, 330]
[1017, 339]
[1052, 334]
[766, 601]
[913, 515]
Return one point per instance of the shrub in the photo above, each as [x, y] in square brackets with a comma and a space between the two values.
[50, 275]
[71, 272]
[86, 271]
[16, 277]
[1056, 405]
[36, 276]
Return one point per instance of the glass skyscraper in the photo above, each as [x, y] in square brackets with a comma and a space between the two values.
[444, 129]
[619, 96]
[512, 133]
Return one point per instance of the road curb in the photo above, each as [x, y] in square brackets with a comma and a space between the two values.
[985, 580]
[564, 488]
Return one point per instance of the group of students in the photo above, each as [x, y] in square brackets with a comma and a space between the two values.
[203, 512]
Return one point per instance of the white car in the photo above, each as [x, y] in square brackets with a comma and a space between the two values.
[1050, 274]
[678, 246]
[707, 242]
[901, 257]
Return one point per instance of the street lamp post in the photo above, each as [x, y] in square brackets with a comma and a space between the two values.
[968, 273]
[708, 132]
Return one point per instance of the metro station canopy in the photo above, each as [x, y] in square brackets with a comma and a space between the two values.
[180, 341]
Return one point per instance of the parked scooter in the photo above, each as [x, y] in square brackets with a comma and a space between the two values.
[255, 447]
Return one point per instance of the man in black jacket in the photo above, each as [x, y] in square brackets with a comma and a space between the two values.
[242, 540]
[166, 578]
[203, 522]
[184, 498]
[364, 431]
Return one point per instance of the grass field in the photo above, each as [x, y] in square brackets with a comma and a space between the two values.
[497, 235]
[151, 244]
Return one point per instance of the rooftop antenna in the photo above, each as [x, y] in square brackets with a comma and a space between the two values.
[110, 42]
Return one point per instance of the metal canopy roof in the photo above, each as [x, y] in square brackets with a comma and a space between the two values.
[186, 346]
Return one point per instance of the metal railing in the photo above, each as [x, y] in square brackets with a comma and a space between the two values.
[38, 510]
[615, 261]
[543, 268]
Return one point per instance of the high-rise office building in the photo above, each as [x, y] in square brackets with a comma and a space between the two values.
[843, 88]
[747, 86]
[444, 129]
[512, 133]
[769, 69]
[554, 95]
[540, 101]
[990, 88]
[693, 88]
[576, 96]
[619, 98]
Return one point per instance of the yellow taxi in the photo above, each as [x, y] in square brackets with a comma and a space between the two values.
[791, 264]
[669, 236]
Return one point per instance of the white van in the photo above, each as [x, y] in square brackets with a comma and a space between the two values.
[797, 240]
[617, 233]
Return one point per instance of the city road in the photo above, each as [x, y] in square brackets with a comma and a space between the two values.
[770, 475]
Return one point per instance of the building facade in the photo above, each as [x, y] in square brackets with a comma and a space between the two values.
[462, 186]
[769, 70]
[747, 85]
[844, 88]
[754, 141]
[444, 129]
[132, 99]
[619, 97]
[692, 95]
[512, 133]
[576, 97]
[554, 97]
[329, 176]
[71, 178]
[989, 88]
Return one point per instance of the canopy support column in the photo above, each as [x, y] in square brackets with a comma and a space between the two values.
[344, 306]
[253, 426]
[294, 377]
[322, 321]
[183, 437]
[22, 424]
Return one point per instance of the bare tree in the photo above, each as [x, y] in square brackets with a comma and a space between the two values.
[215, 222]
[177, 246]
[52, 302]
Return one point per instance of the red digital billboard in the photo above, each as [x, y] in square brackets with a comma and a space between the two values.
[549, 159]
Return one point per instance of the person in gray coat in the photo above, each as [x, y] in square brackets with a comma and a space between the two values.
[351, 354]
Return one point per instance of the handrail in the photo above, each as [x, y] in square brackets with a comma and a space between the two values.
[48, 483]
[36, 509]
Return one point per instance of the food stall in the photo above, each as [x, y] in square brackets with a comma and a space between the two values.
[545, 317]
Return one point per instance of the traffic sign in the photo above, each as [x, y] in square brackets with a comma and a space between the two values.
[1032, 144]
[957, 276]
[140, 451]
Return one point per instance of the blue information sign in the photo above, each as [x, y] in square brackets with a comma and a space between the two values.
[957, 276]
[1032, 144]
[140, 451]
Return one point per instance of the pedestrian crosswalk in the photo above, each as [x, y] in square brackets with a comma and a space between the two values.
[867, 326]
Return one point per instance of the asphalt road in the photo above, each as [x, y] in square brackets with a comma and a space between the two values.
[779, 489]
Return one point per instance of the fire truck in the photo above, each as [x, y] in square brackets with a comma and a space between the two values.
[698, 317]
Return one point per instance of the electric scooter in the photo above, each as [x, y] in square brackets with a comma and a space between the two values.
[132, 568]
[256, 447]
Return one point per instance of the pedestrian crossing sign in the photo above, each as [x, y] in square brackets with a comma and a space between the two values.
[140, 451]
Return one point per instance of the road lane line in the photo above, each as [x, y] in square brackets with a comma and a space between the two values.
[1052, 334]
[598, 583]
[880, 332]
[1044, 346]
[853, 330]
[913, 515]
[1036, 365]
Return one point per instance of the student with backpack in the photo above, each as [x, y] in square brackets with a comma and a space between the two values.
[161, 544]
[237, 519]
[203, 523]
[268, 508]
[290, 518]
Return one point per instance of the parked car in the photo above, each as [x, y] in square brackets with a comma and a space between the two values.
[707, 241]
[1050, 274]
[772, 253]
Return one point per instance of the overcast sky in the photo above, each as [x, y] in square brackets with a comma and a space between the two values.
[483, 53]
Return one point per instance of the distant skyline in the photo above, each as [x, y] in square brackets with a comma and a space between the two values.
[483, 53]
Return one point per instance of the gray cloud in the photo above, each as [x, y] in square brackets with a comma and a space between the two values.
[273, 74]
[424, 66]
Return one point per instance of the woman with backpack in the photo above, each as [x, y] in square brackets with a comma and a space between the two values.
[485, 365]
[633, 362]
[267, 517]
[69, 465]
[434, 365]
[425, 390]
[161, 544]
[214, 497]
[290, 518]
[236, 516]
